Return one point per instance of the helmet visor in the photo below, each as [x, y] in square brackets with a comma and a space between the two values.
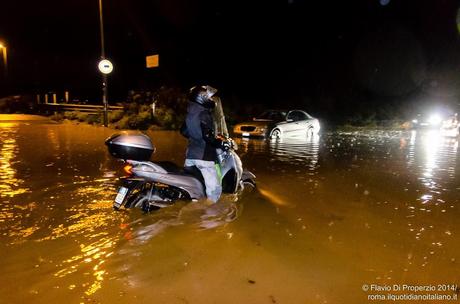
[210, 91]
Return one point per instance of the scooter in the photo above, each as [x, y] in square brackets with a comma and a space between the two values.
[153, 185]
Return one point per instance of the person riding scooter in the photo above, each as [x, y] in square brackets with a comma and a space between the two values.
[198, 128]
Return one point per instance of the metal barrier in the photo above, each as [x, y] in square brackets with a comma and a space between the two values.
[66, 107]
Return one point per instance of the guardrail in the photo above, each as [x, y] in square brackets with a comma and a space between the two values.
[68, 107]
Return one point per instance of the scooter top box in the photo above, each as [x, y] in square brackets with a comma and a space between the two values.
[130, 145]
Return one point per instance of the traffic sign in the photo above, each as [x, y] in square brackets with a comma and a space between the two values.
[152, 61]
[105, 66]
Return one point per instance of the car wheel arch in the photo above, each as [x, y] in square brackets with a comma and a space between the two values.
[274, 131]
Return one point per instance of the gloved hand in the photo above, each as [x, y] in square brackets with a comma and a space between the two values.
[226, 145]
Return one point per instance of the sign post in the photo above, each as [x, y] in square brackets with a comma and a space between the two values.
[152, 61]
[105, 66]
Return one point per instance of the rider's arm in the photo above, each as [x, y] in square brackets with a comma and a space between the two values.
[207, 129]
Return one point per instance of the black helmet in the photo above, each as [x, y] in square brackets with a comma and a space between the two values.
[203, 95]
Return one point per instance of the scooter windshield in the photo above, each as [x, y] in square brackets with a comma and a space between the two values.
[220, 126]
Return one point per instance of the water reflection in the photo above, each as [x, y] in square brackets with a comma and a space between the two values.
[93, 255]
[436, 158]
[93, 220]
[246, 145]
[10, 184]
[303, 149]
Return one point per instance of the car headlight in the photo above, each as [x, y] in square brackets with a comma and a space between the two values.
[435, 119]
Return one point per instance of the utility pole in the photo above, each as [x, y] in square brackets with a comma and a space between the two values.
[104, 75]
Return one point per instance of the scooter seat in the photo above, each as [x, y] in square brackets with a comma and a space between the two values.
[188, 171]
[170, 167]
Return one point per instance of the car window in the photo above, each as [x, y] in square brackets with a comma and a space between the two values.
[273, 115]
[297, 115]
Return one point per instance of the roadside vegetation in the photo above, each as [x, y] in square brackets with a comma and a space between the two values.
[17, 104]
[171, 104]
[137, 113]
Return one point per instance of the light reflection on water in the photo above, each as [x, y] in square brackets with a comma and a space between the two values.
[324, 204]
[10, 184]
[302, 149]
[434, 160]
[438, 163]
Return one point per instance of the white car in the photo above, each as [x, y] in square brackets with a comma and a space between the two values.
[297, 123]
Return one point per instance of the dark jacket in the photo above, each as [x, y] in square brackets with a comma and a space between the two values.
[198, 128]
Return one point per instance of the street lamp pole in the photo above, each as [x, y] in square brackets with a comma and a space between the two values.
[5, 59]
[104, 76]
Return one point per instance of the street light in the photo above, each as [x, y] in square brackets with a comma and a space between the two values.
[5, 59]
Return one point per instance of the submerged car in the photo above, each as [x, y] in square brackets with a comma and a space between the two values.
[260, 126]
[279, 123]
[445, 121]
[434, 118]
[432, 121]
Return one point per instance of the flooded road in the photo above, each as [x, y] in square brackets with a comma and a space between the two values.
[331, 215]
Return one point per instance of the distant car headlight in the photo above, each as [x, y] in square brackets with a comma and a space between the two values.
[435, 119]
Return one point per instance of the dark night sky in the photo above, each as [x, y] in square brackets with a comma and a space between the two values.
[269, 52]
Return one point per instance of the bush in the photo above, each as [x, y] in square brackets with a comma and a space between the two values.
[141, 121]
[57, 117]
[71, 115]
[3, 106]
[115, 116]
[17, 104]
[122, 123]
[171, 105]
[131, 108]
[81, 117]
[93, 118]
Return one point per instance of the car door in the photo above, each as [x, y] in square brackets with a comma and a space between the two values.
[296, 122]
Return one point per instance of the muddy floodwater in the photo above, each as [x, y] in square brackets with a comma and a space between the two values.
[333, 218]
